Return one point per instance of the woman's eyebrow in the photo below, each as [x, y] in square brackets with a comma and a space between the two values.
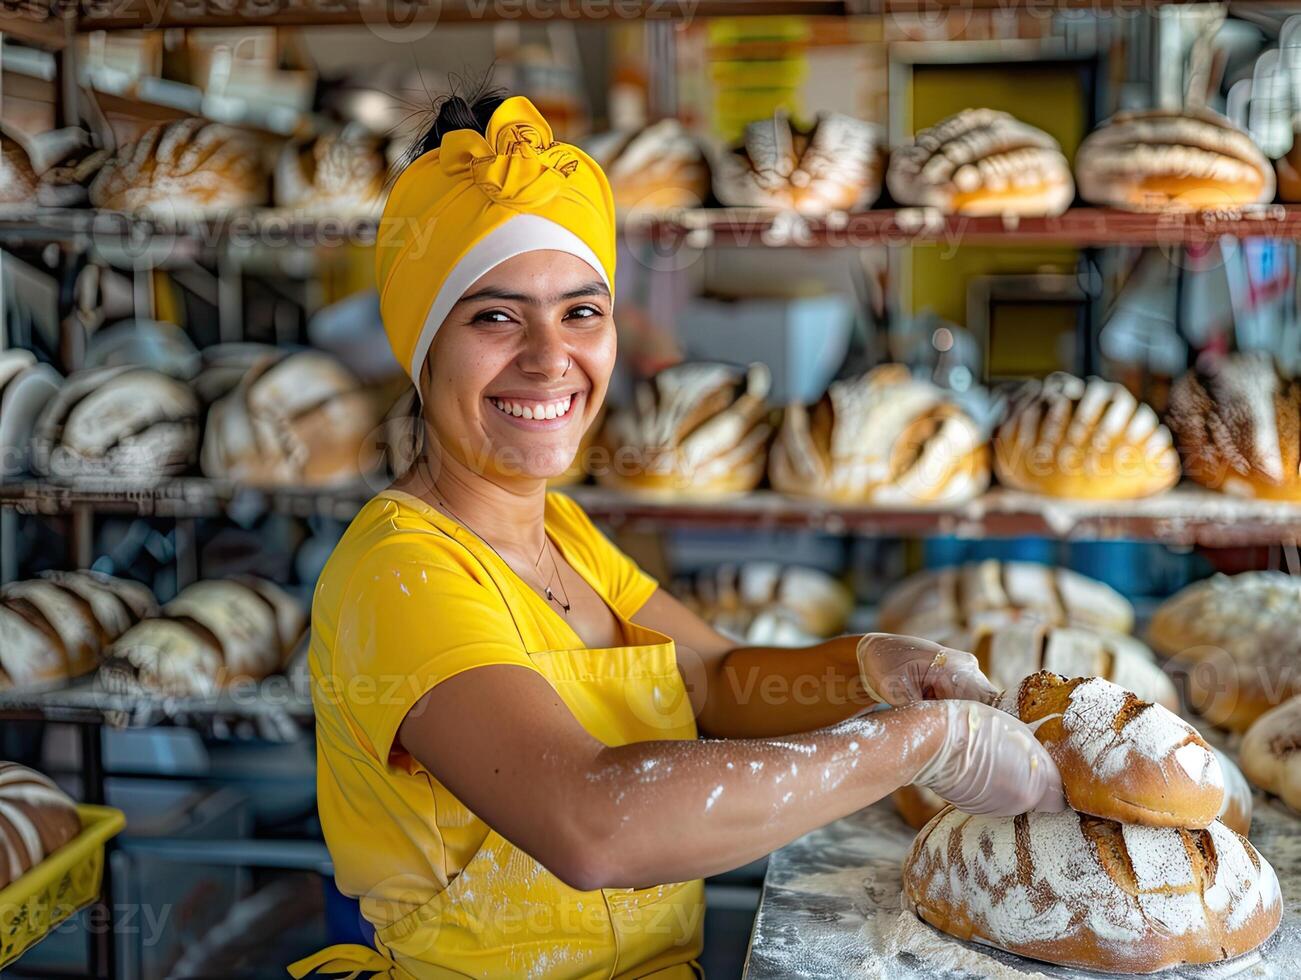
[593, 288]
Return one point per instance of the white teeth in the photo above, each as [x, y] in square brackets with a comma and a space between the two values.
[551, 410]
[528, 412]
[539, 411]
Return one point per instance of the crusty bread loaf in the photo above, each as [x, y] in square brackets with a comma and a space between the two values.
[1236, 640]
[884, 438]
[122, 422]
[655, 168]
[1238, 428]
[1119, 757]
[1011, 653]
[18, 180]
[988, 594]
[1067, 437]
[175, 657]
[1238, 803]
[184, 168]
[69, 614]
[66, 183]
[36, 819]
[294, 419]
[1271, 752]
[1076, 890]
[1170, 159]
[917, 805]
[982, 162]
[835, 166]
[697, 429]
[1287, 169]
[26, 387]
[732, 596]
[117, 603]
[335, 175]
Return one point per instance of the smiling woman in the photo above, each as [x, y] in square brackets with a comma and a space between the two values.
[508, 710]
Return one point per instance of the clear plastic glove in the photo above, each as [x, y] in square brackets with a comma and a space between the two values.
[991, 763]
[901, 669]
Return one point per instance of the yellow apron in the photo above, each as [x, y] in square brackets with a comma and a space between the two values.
[505, 915]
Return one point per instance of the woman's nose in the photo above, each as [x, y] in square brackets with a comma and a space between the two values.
[544, 354]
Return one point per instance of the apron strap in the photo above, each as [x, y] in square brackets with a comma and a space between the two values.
[350, 962]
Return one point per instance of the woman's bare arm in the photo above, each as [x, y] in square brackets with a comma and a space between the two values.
[503, 742]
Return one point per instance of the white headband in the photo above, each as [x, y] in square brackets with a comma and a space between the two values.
[522, 233]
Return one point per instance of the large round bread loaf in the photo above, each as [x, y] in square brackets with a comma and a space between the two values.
[1120, 758]
[1271, 752]
[884, 438]
[989, 594]
[336, 175]
[654, 168]
[698, 429]
[36, 819]
[1076, 890]
[732, 596]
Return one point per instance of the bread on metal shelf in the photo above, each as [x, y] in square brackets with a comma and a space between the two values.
[657, 167]
[335, 175]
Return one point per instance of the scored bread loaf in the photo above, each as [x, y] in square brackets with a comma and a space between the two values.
[697, 429]
[1119, 757]
[917, 805]
[834, 166]
[296, 419]
[654, 168]
[1076, 890]
[982, 162]
[337, 175]
[732, 596]
[1238, 427]
[1271, 752]
[934, 604]
[18, 178]
[884, 438]
[1238, 803]
[1011, 653]
[124, 422]
[1067, 437]
[184, 168]
[1236, 640]
[36, 819]
[25, 388]
[1172, 159]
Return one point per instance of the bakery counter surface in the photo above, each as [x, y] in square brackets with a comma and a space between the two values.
[831, 908]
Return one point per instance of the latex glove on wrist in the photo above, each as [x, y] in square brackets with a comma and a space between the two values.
[899, 670]
[990, 763]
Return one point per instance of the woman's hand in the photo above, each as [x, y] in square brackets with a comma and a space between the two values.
[902, 669]
[991, 763]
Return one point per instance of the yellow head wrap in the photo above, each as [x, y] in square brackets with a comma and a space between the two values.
[460, 210]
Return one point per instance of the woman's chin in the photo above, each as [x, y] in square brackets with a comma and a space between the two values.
[535, 462]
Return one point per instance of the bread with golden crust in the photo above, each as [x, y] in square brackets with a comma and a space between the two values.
[1236, 641]
[1077, 890]
[1086, 439]
[1120, 758]
[36, 819]
[1271, 752]
[698, 429]
[1172, 159]
[1238, 427]
[337, 175]
[936, 603]
[657, 167]
[884, 438]
[982, 162]
[18, 178]
[1238, 802]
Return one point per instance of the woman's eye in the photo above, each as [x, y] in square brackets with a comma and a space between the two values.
[491, 316]
[582, 313]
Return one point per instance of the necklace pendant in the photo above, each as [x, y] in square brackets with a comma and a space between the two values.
[550, 596]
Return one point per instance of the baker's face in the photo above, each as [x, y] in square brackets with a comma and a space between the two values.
[520, 366]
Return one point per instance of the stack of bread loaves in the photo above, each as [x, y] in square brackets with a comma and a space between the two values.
[215, 633]
[54, 628]
[1136, 876]
[36, 819]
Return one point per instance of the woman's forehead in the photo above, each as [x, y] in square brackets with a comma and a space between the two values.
[541, 273]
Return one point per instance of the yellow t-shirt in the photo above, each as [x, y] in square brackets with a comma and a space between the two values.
[407, 600]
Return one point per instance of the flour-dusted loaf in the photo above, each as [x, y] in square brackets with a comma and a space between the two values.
[18, 178]
[1172, 159]
[697, 429]
[884, 438]
[26, 386]
[124, 422]
[988, 594]
[982, 162]
[1238, 803]
[1238, 427]
[1271, 752]
[916, 805]
[1236, 639]
[1011, 653]
[1120, 757]
[335, 175]
[654, 168]
[118, 603]
[1068, 437]
[296, 419]
[186, 168]
[834, 166]
[1076, 890]
[36, 819]
[732, 596]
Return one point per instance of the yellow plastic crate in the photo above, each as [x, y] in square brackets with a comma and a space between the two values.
[67, 880]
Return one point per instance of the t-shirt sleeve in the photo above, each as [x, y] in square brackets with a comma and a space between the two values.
[627, 587]
[410, 618]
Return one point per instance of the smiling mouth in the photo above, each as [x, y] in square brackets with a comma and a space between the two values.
[553, 409]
